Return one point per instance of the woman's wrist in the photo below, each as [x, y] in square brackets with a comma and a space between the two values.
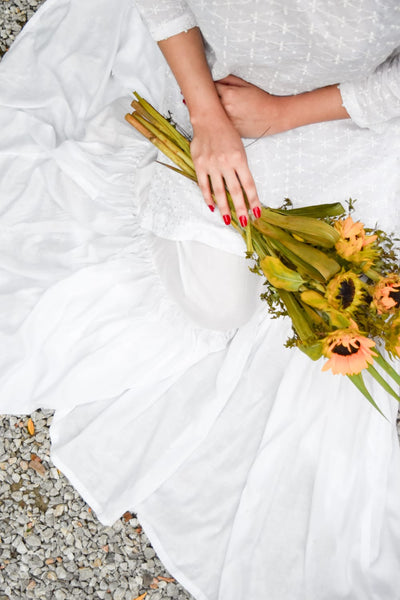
[322, 104]
[208, 111]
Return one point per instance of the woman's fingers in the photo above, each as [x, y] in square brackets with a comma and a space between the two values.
[204, 184]
[248, 184]
[221, 164]
[218, 186]
[215, 185]
[235, 189]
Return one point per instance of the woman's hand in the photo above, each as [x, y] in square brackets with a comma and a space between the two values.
[256, 113]
[253, 111]
[219, 158]
[216, 148]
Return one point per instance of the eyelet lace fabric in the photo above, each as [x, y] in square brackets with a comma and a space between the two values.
[287, 48]
[290, 47]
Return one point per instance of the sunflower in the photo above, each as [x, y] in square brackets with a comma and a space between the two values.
[348, 352]
[345, 292]
[354, 244]
[386, 295]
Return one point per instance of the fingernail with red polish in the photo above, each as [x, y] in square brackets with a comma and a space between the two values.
[211, 207]
[227, 219]
[184, 101]
[243, 221]
[257, 212]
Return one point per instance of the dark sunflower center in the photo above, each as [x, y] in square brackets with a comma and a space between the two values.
[347, 351]
[395, 296]
[346, 292]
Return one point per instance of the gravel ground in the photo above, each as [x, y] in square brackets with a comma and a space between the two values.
[13, 16]
[51, 544]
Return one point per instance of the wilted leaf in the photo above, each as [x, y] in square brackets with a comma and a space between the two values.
[127, 516]
[38, 467]
[279, 275]
[31, 427]
[141, 597]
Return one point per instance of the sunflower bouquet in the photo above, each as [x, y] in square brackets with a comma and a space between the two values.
[338, 281]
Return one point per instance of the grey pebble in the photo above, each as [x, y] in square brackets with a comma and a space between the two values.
[119, 594]
[85, 573]
[21, 548]
[61, 573]
[149, 552]
[33, 541]
[58, 510]
[172, 590]
[52, 576]
[47, 534]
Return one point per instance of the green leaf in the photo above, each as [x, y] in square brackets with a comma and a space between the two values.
[304, 268]
[378, 377]
[191, 177]
[315, 299]
[387, 367]
[300, 321]
[360, 385]
[309, 229]
[333, 209]
[279, 275]
[326, 266]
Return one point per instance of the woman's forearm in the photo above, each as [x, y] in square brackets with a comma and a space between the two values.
[323, 104]
[256, 113]
[185, 55]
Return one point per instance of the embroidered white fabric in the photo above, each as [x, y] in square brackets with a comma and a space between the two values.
[286, 48]
[290, 47]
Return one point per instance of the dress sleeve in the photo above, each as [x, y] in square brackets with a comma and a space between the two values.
[166, 18]
[374, 99]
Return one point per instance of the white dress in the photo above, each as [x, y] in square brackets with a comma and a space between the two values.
[254, 474]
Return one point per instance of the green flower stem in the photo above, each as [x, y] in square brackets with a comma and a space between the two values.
[143, 127]
[298, 316]
[164, 124]
[165, 140]
[191, 177]
[373, 275]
